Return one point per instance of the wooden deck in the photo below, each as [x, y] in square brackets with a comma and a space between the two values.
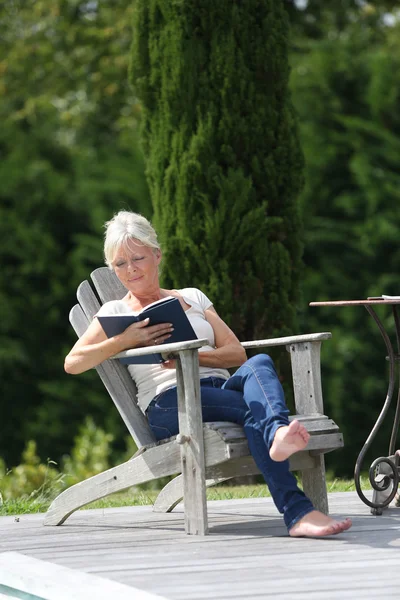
[248, 553]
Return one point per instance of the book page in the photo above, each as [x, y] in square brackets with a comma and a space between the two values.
[166, 299]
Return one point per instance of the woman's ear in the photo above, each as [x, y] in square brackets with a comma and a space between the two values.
[158, 255]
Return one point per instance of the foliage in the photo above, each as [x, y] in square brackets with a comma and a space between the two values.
[346, 90]
[316, 19]
[32, 485]
[90, 454]
[69, 158]
[222, 156]
[31, 478]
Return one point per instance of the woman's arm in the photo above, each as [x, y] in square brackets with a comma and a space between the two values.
[228, 350]
[94, 346]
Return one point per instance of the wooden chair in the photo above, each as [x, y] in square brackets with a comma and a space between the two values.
[202, 454]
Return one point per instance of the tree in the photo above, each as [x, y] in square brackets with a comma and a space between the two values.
[69, 159]
[222, 156]
[345, 88]
[313, 19]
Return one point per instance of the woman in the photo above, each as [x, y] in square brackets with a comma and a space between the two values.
[252, 396]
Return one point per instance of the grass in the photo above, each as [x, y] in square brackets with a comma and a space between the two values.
[139, 497]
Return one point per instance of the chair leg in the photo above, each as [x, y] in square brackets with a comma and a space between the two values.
[172, 493]
[155, 462]
[192, 443]
[170, 496]
[314, 485]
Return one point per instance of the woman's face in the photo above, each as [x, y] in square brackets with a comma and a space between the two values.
[136, 266]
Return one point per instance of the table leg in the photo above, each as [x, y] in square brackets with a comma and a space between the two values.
[396, 421]
[384, 471]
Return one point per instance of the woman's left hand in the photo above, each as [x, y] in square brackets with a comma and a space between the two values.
[169, 364]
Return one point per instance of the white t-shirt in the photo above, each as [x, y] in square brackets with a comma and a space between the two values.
[151, 380]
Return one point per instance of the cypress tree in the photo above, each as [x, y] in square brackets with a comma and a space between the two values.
[224, 165]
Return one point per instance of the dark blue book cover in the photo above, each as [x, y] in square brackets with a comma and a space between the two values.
[168, 310]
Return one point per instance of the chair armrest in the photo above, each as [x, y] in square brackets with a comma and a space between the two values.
[284, 341]
[166, 349]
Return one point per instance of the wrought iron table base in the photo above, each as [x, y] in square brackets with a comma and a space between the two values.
[384, 478]
[384, 473]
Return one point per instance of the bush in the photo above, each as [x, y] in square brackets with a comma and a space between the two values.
[31, 479]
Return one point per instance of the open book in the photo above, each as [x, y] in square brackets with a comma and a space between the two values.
[166, 310]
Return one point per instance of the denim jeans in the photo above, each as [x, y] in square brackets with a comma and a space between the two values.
[252, 397]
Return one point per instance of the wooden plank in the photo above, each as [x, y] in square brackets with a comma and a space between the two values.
[315, 426]
[113, 374]
[284, 341]
[230, 432]
[192, 448]
[27, 577]
[87, 299]
[107, 285]
[368, 302]
[306, 370]
[122, 390]
[324, 441]
[78, 320]
[314, 485]
[320, 426]
[249, 553]
[165, 349]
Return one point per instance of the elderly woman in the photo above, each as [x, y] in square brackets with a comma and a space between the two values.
[251, 397]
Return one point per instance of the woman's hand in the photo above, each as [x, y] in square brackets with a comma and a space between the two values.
[169, 364]
[94, 347]
[142, 334]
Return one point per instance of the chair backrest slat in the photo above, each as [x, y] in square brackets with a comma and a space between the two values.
[87, 299]
[113, 373]
[78, 320]
[107, 285]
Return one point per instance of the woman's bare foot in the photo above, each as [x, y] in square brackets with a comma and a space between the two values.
[316, 524]
[288, 440]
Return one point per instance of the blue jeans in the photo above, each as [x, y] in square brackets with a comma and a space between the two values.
[252, 397]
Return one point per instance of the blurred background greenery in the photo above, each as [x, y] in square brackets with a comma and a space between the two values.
[70, 157]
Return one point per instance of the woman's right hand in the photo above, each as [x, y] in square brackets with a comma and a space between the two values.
[142, 334]
[94, 347]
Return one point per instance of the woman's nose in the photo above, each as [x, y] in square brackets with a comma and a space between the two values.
[131, 266]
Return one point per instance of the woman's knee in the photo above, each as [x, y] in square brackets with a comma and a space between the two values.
[261, 360]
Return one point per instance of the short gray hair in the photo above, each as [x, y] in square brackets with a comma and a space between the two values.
[125, 226]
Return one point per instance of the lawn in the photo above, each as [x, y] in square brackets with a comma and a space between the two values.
[138, 497]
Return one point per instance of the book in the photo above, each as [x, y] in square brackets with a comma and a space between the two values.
[166, 310]
[383, 297]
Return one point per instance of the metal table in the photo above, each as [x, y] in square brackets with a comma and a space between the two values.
[384, 472]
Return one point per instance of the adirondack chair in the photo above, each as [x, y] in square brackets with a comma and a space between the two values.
[202, 454]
